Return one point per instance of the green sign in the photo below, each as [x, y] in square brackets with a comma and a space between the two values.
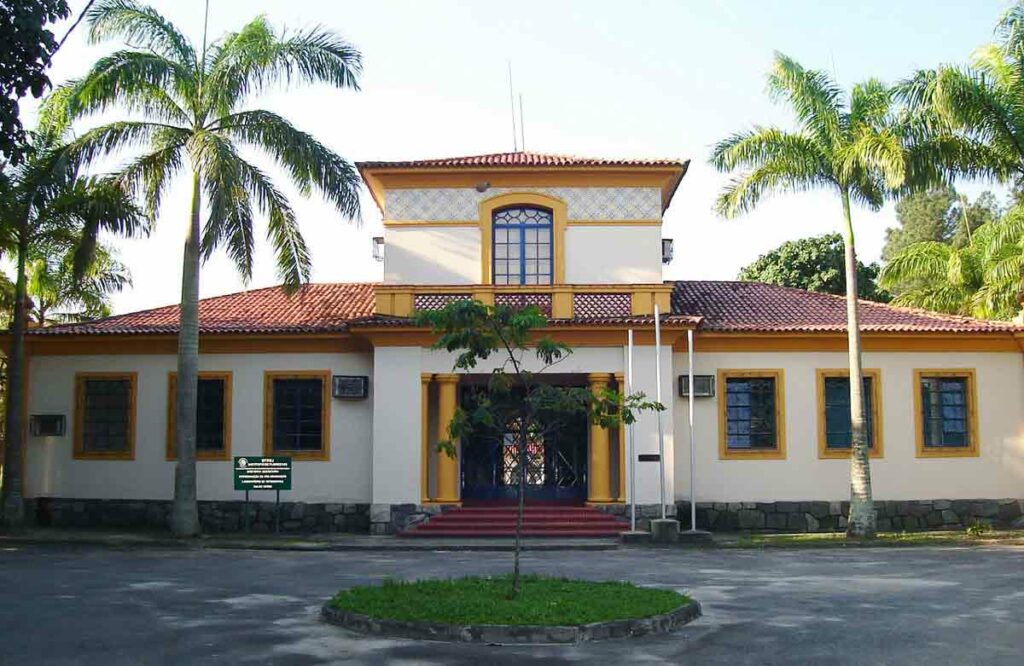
[263, 473]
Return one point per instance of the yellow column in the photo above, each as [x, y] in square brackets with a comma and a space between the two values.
[424, 438]
[600, 449]
[447, 467]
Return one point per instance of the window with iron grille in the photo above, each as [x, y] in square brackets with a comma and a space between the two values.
[945, 417]
[522, 250]
[213, 411]
[750, 413]
[838, 425]
[298, 414]
[105, 418]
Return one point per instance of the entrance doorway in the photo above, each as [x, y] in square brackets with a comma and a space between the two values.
[556, 467]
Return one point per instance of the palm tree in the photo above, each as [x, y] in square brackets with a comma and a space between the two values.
[59, 296]
[982, 279]
[840, 146]
[194, 122]
[45, 201]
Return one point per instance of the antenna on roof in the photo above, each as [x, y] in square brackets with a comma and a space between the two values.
[522, 124]
[512, 101]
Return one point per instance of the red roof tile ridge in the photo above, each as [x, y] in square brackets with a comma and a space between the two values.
[523, 158]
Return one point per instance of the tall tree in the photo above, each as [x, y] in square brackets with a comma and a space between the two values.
[984, 278]
[843, 144]
[46, 201]
[968, 122]
[517, 402]
[27, 48]
[814, 264]
[194, 104]
[939, 214]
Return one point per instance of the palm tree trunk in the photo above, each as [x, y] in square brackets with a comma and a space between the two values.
[14, 449]
[861, 522]
[185, 512]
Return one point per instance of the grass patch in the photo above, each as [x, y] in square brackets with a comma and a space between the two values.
[478, 600]
[839, 539]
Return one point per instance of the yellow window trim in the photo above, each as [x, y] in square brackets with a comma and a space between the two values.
[972, 449]
[269, 376]
[223, 454]
[779, 452]
[78, 449]
[558, 214]
[877, 449]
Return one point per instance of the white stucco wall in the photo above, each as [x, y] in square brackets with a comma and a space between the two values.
[432, 255]
[996, 473]
[612, 254]
[52, 471]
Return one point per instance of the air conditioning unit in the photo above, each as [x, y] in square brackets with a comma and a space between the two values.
[46, 425]
[703, 386]
[667, 250]
[350, 387]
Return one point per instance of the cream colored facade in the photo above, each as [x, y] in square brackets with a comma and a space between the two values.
[382, 450]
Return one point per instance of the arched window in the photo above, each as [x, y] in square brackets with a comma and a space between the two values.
[522, 252]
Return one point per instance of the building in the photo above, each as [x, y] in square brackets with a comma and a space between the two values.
[581, 239]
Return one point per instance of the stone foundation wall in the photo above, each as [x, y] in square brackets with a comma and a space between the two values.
[295, 517]
[393, 518]
[645, 513]
[896, 516]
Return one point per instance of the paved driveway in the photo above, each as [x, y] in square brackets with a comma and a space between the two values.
[879, 606]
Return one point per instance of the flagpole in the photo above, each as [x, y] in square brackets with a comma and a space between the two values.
[693, 442]
[632, 448]
[657, 391]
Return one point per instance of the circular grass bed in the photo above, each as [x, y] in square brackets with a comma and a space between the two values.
[543, 601]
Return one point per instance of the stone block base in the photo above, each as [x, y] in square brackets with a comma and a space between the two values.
[645, 513]
[820, 516]
[295, 517]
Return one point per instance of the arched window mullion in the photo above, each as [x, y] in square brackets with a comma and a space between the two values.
[522, 246]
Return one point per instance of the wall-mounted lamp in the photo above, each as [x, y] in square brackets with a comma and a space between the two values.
[483, 187]
[667, 250]
[378, 248]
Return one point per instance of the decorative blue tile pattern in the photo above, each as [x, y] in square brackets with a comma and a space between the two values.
[584, 203]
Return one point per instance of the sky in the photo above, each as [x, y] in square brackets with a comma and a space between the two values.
[646, 78]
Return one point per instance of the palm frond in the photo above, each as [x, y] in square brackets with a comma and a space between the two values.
[815, 98]
[149, 175]
[870, 104]
[141, 26]
[927, 261]
[309, 163]
[229, 219]
[254, 59]
[745, 191]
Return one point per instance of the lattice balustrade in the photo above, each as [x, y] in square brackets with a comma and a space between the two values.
[436, 301]
[601, 305]
[520, 301]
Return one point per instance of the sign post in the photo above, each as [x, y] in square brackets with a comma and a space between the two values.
[263, 473]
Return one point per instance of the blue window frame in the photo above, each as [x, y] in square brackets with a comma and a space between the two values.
[522, 250]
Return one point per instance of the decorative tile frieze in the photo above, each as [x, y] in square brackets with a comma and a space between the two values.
[520, 301]
[584, 203]
[602, 305]
[436, 301]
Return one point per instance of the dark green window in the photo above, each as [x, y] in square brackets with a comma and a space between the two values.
[750, 413]
[944, 412]
[106, 424]
[210, 415]
[838, 428]
[298, 414]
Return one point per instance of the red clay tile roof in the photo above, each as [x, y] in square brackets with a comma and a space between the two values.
[521, 159]
[755, 307]
[712, 305]
[315, 308]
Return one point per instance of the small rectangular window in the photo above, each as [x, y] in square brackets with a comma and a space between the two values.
[297, 414]
[946, 413]
[213, 416]
[835, 432]
[105, 416]
[751, 414]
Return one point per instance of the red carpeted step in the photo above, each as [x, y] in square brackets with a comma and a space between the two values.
[538, 520]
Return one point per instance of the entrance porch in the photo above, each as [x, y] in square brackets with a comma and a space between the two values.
[580, 463]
